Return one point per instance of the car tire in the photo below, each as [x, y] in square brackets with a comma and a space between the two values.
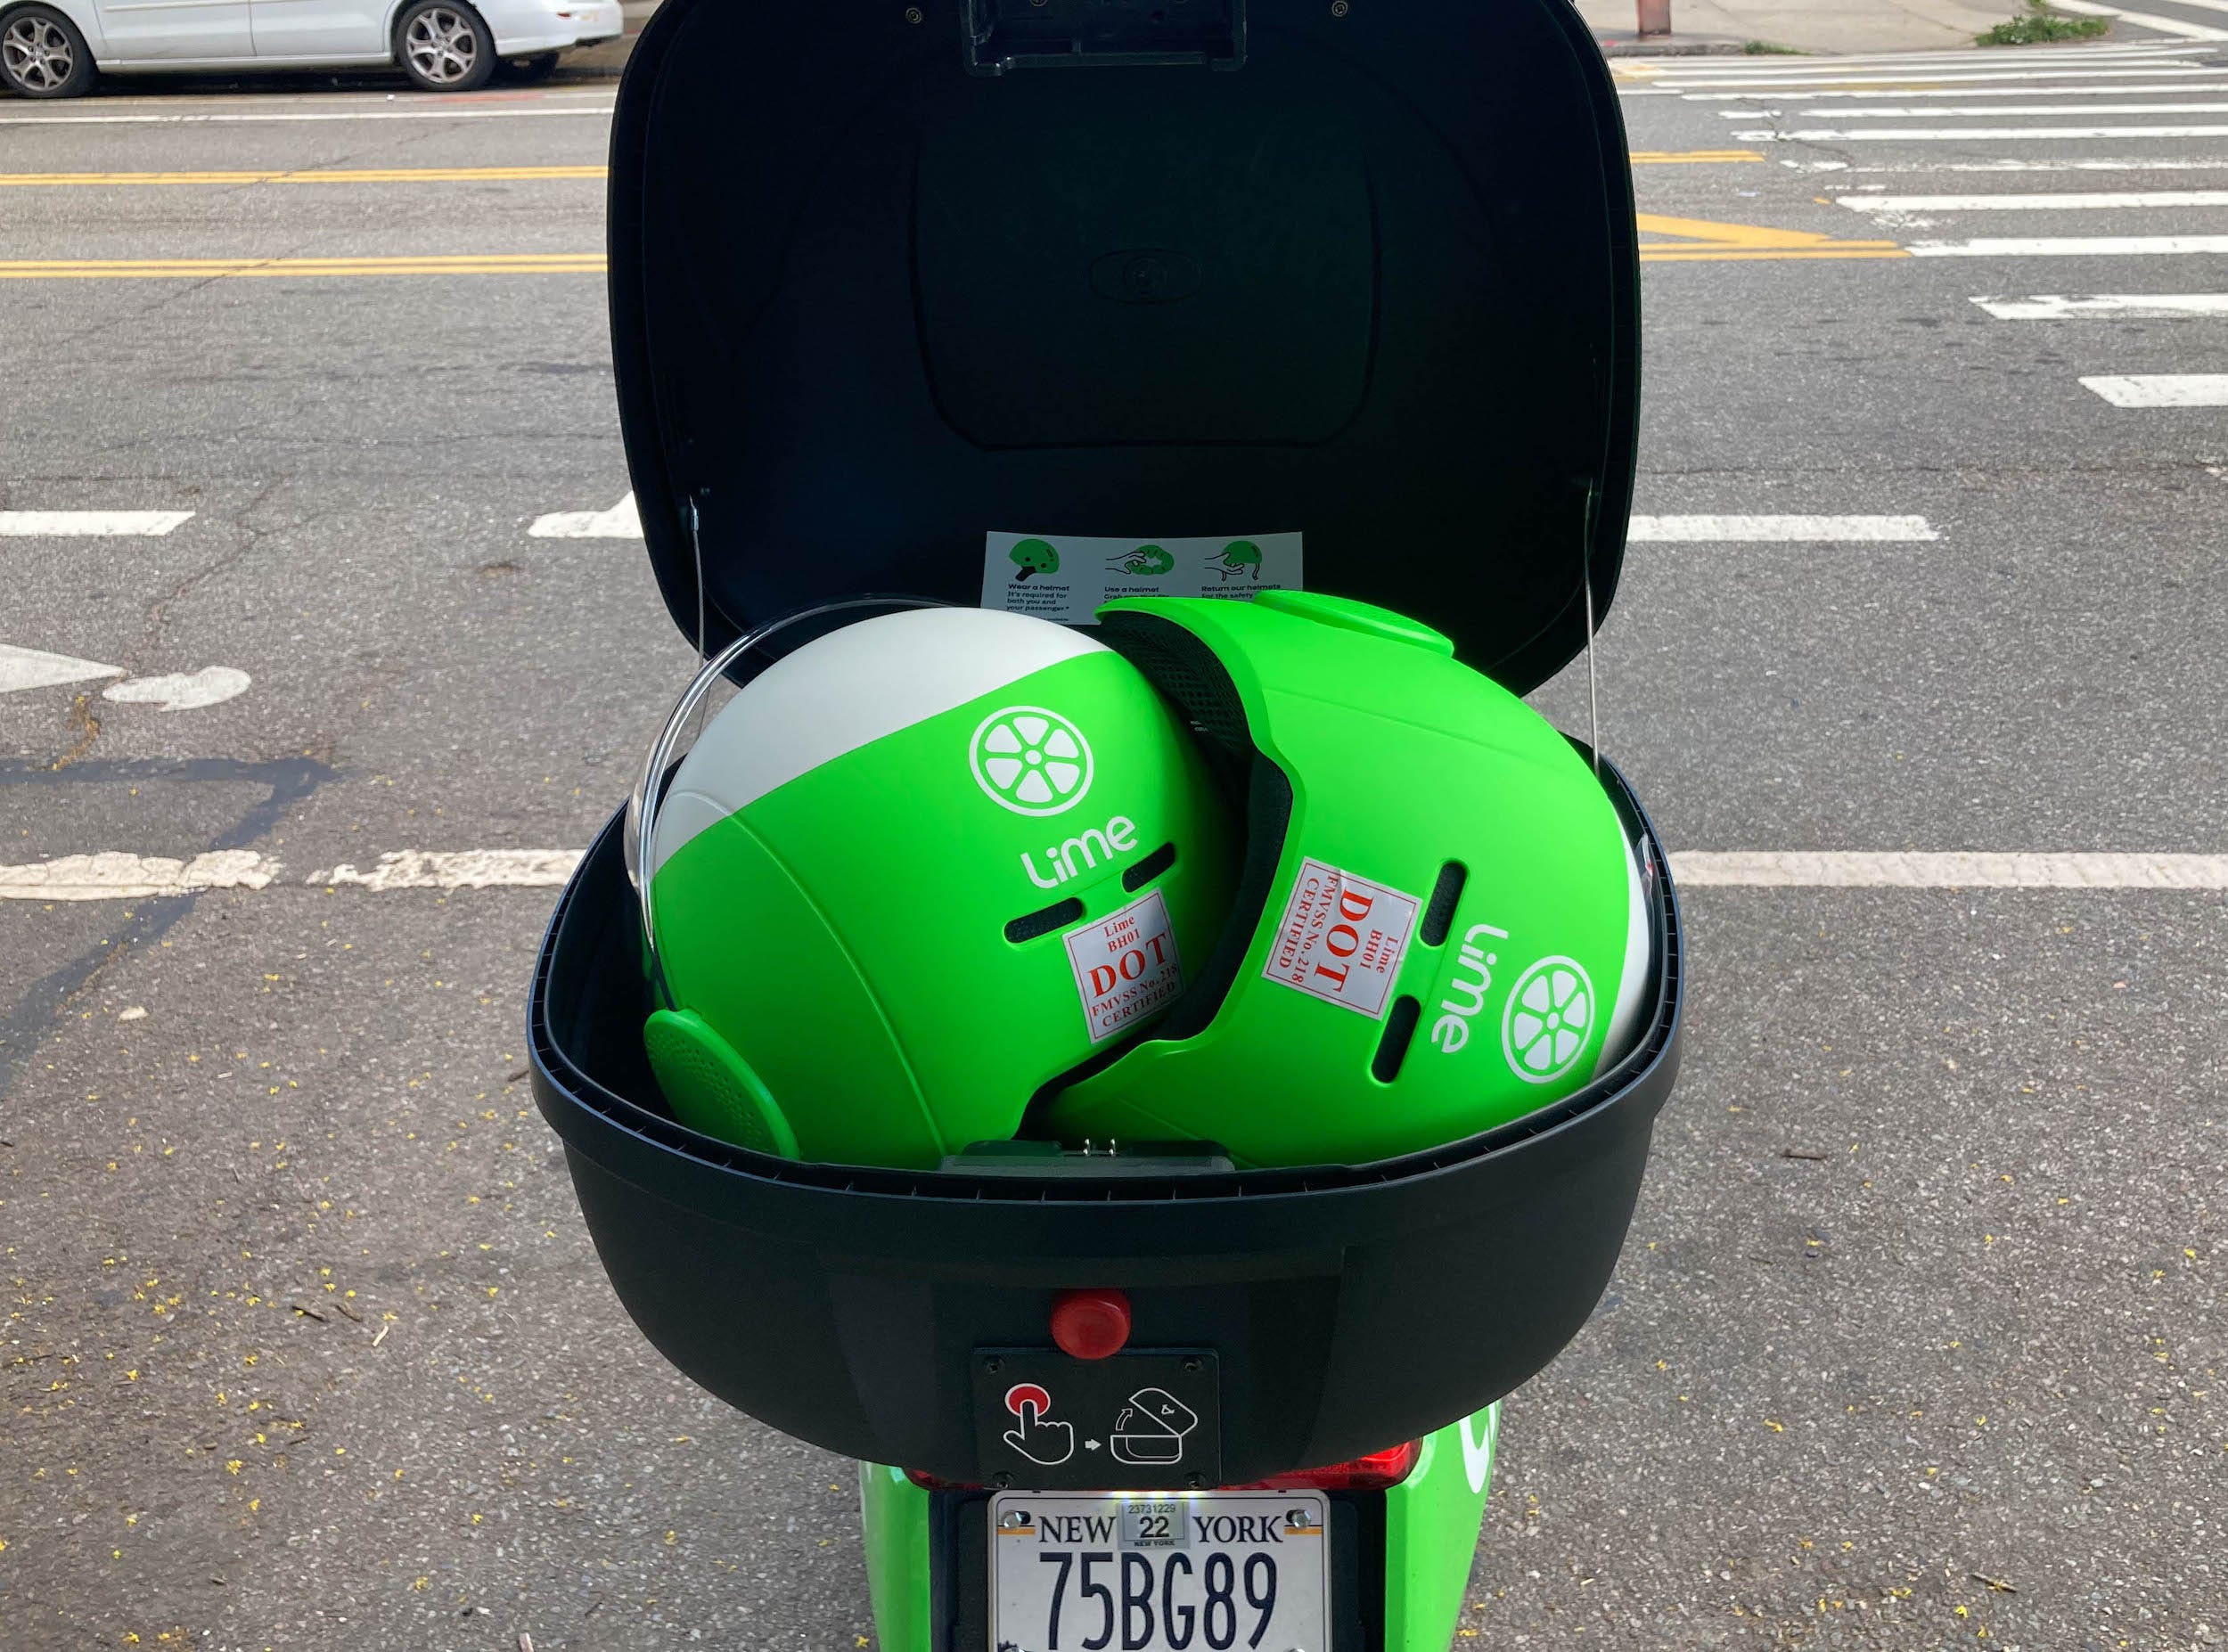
[42, 54]
[526, 71]
[443, 45]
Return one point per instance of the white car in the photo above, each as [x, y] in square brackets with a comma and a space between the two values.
[57, 48]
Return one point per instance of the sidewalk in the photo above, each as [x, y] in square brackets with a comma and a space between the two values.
[1806, 25]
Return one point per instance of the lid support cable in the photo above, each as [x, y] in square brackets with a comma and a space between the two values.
[1586, 585]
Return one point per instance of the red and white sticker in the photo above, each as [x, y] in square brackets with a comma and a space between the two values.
[1126, 965]
[1342, 939]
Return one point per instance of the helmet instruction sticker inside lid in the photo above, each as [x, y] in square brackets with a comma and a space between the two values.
[1065, 576]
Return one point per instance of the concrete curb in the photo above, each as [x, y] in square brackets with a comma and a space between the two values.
[1678, 46]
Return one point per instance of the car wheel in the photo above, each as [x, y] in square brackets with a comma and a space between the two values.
[529, 70]
[443, 46]
[42, 54]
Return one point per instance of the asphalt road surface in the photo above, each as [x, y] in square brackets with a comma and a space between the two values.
[1918, 1340]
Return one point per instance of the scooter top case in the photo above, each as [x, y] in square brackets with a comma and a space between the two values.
[905, 296]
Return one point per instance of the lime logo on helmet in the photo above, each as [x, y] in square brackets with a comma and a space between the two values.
[1550, 1012]
[1030, 760]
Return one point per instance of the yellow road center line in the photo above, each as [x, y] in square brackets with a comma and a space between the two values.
[1713, 254]
[1706, 240]
[392, 175]
[1692, 240]
[205, 269]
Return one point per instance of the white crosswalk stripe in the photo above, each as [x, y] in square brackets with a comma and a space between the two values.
[2071, 247]
[1968, 135]
[90, 523]
[1995, 112]
[2172, 88]
[2120, 200]
[2179, 78]
[2093, 163]
[2111, 306]
[2162, 389]
[1780, 529]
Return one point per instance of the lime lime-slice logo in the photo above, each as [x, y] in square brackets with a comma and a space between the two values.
[1031, 760]
[1550, 1012]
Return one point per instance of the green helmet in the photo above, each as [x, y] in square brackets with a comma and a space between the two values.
[914, 872]
[1440, 925]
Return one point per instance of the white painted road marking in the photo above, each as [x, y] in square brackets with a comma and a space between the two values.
[2144, 19]
[190, 691]
[2117, 201]
[84, 524]
[27, 669]
[1779, 529]
[1952, 111]
[2071, 247]
[2122, 306]
[1794, 92]
[2123, 164]
[1968, 870]
[457, 869]
[621, 521]
[2162, 389]
[115, 876]
[1965, 135]
[22, 668]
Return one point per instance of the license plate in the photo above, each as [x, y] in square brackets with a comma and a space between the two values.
[1202, 1572]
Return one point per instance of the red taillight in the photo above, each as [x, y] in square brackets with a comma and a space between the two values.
[1372, 1473]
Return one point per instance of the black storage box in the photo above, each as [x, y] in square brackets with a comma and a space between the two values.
[886, 279]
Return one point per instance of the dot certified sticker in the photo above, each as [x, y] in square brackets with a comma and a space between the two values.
[1342, 939]
[1126, 965]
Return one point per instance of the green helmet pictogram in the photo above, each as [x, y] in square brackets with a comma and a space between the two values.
[1034, 556]
[1147, 561]
[1239, 556]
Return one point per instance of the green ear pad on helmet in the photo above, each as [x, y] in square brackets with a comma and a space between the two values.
[1440, 924]
[712, 1089]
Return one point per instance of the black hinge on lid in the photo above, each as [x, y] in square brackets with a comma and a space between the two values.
[1065, 34]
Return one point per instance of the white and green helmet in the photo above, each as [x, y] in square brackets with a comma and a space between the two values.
[915, 872]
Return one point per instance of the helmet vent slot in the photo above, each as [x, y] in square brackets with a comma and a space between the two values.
[1439, 911]
[1138, 876]
[1043, 921]
[1400, 1031]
